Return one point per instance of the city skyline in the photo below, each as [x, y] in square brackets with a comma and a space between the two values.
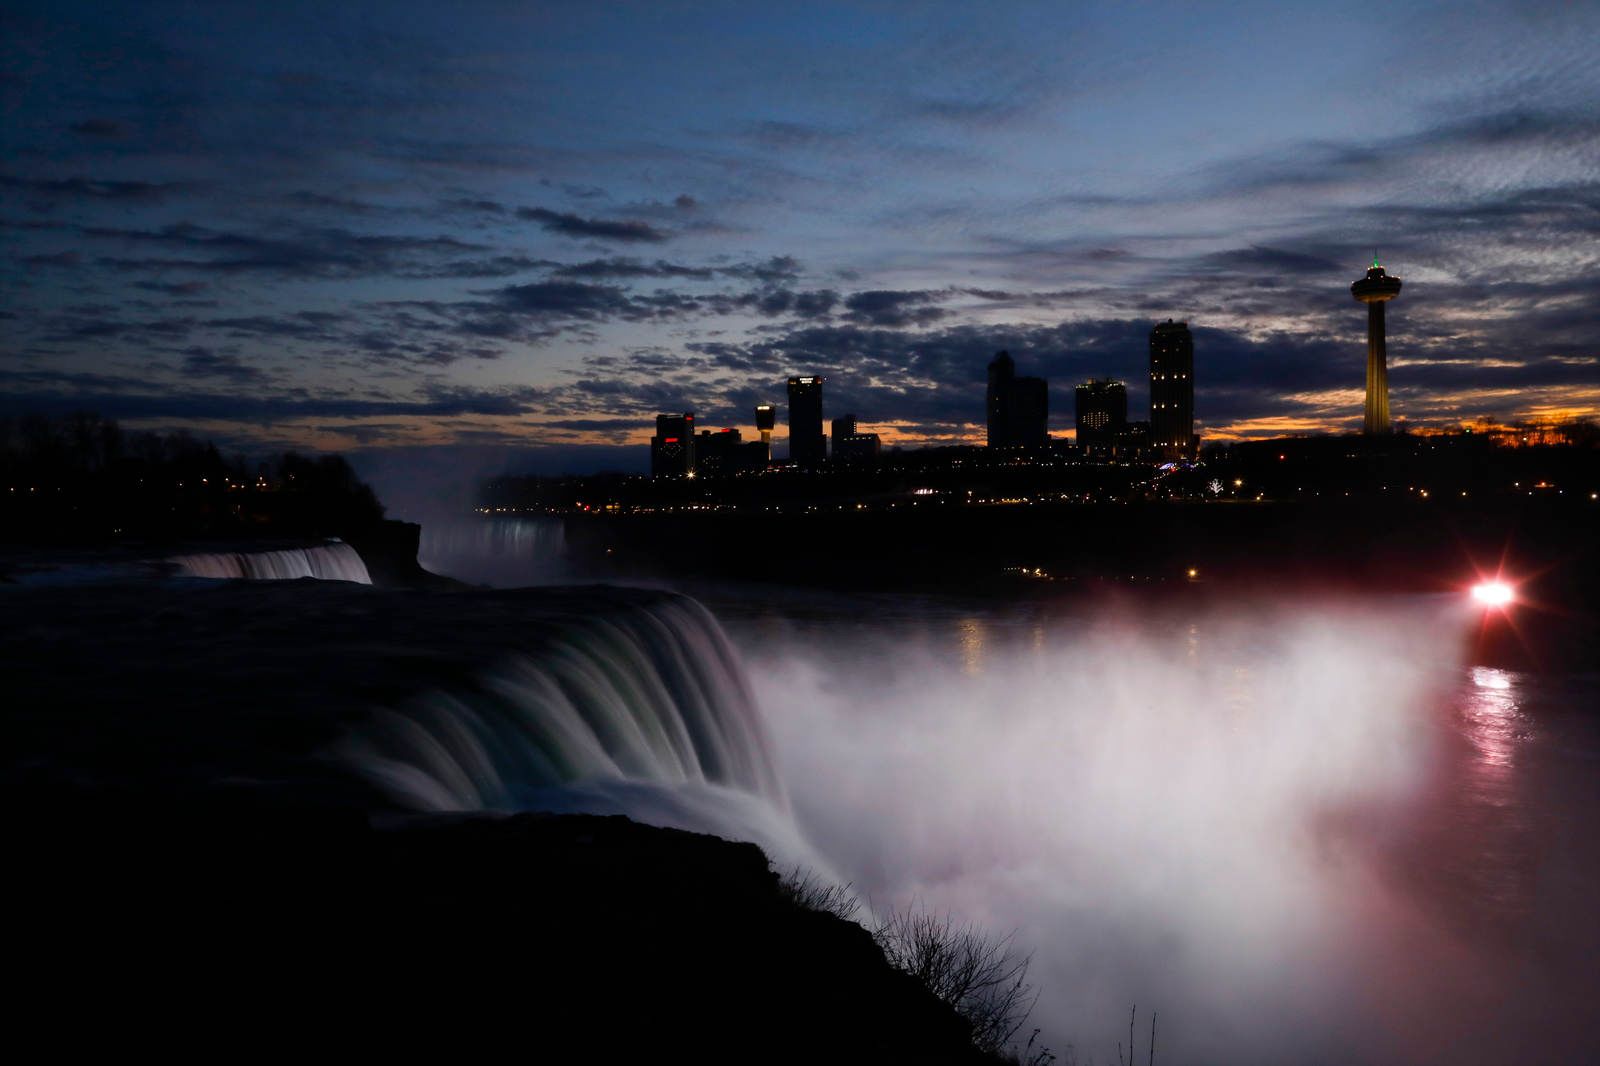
[537, 230]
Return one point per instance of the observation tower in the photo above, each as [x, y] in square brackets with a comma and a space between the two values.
[1375, 290]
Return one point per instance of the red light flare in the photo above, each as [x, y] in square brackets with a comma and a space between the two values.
[1511, 616]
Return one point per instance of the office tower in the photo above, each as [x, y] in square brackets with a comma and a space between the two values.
[1101, 414]
[766, 418]
[807, 446]
[717, 451]
[672, 448]
[1002, 373]
[1018, 408]
[850, 444]
[1172, 390]
[1375, 290]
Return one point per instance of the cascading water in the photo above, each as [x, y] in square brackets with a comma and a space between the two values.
[335, 561]
[643, 711]
[499, 551]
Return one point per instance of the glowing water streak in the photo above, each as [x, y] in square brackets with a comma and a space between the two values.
[648, 695]
[503, 552]
[335, 561]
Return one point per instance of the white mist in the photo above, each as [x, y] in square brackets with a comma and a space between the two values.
[1173, 812]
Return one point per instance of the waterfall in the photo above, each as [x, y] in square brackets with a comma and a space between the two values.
[334, 561]
[642, 703]
[499, 551]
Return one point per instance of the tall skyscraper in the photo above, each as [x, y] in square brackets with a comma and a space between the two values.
[1172, 390]
[766, 418]
[672, 448]
[1375, 290]
[807, 446]
[1002, 374]
[1101, 414]
[1018, 408]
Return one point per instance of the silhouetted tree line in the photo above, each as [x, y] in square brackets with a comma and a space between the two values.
[83, 478]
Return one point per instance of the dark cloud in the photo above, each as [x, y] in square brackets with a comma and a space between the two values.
[571, 225]
[173, 288]
[487, 207]
[818, 303]
[633, 268]
[205, 363]
[887, 307]
[124, 398]
[1272, 263]
[69, 188]
[302, 325]
[339, 204]
[96, 127]
[328, 253]
[567, 299]
[67, 258]
[775, 270]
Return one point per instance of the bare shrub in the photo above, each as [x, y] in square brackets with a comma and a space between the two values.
[805, 889]
[980, 976]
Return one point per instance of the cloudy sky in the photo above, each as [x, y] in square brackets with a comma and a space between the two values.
[403, 224]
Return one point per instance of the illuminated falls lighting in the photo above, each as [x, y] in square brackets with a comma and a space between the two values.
[1493, 593]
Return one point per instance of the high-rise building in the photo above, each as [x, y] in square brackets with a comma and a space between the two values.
[1101, 410]
[1018, 408]
[1172, 390]
[1002, 375]
[1375, 290]
[717, 451]
[807, 445]
[766, 418]
[850, 444]
[672, 448]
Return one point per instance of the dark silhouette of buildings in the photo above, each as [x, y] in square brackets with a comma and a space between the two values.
[851, 445]
[1019, 408]
[1101, 411]
[1134, 442]
[672, 448]
[718, 451]
[807, 445]
[1375, 290]
[1172, 390]
[766, 418]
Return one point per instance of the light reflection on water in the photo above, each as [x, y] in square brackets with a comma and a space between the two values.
[971, 630]
[1494, 720]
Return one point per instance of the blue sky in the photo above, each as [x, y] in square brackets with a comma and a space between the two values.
[340, 226]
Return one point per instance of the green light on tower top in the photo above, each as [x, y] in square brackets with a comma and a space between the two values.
[1375, 263]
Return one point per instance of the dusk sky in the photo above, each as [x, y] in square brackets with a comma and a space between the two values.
[354, 226]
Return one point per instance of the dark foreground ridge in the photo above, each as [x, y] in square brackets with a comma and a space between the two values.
[571, 938]
[189, 873]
